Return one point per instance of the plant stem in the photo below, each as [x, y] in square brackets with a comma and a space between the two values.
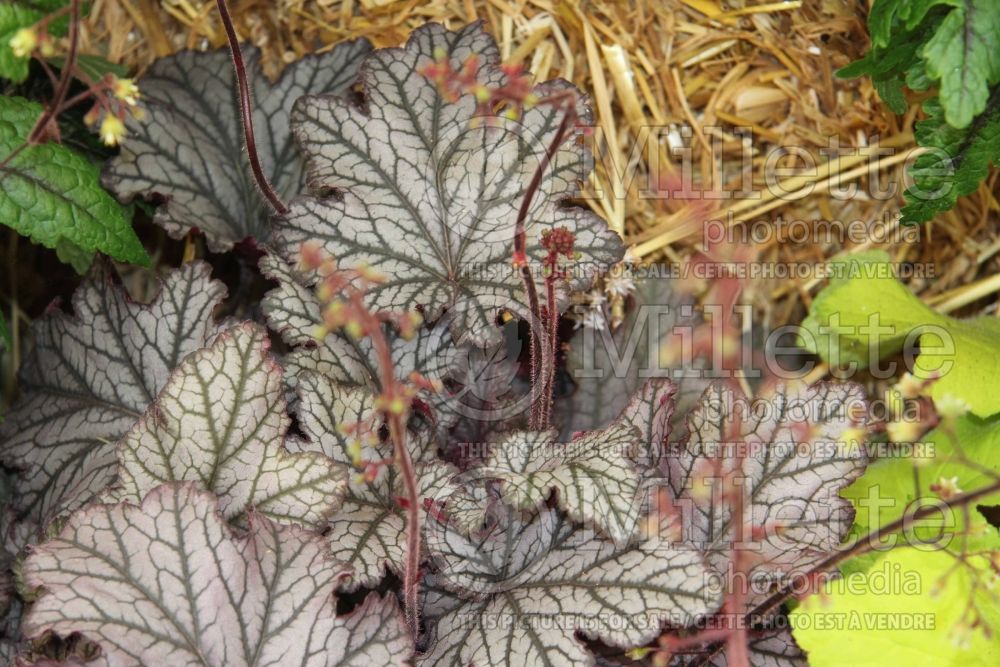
[861, 547]
[397, 432]
[542, 363]
[246, 112]
[65, 76]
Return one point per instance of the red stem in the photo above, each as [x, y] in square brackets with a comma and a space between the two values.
[246, 112]
[541, 363]
[860, 547]
[397, 432]
[65, 76]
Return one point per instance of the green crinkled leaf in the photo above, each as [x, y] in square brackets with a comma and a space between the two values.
[960, 353]
[896, 484]
[419, 188]
[188, 149]
[865, 621]
[166, 583]
[51, 194]
[90, 376]
[891, 92]
[220, 421]
[959, 164]
[964, 54]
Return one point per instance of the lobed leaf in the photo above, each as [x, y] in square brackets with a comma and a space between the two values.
[519, 595]
[165, 583]
[368, 530]
[188, 148]
[426, 192]
[787, 456]
[595, 476]
[90, 376]
[220, 421]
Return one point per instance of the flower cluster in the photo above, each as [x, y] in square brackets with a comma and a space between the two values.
[515, 94]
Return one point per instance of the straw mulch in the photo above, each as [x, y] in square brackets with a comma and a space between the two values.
[704, 67]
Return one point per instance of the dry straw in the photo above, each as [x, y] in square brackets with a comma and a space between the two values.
[705, 67]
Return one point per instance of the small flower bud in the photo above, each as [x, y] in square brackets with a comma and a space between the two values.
[24, 42]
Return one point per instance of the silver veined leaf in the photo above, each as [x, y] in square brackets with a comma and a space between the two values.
[787, 454]
[427, 193]
[220, 421]
[166, 583]
[528, 587]
[594, 476]
[607, 367]
[90, 376]
[188, 147]
[368, 531]
[293, 310]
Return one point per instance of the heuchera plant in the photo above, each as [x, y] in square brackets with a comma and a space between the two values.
[375, 482]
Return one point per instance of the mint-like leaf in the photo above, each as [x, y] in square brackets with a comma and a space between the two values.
[53, 195]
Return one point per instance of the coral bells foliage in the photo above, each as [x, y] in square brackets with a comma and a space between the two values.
[196, 491]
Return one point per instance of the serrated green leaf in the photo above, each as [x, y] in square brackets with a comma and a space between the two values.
[960, 160]
[90, 376]
[166, 583]
[964, 54]
[220, 421]
[891, 92]
[13, 17]
[959, 353]
[428, 190]
[50, 193]
[922, 619]
[188, 148]
[72, 254]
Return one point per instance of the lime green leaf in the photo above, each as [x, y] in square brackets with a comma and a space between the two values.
[51, 194]
[895, 485]
[964, 54]
[958, 165]
[922, 620]
[13, 17]
[865, 294]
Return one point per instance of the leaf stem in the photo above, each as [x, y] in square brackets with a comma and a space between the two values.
[246, 112]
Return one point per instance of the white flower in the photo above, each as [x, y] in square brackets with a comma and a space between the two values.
[620, 285]
[594, 319]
